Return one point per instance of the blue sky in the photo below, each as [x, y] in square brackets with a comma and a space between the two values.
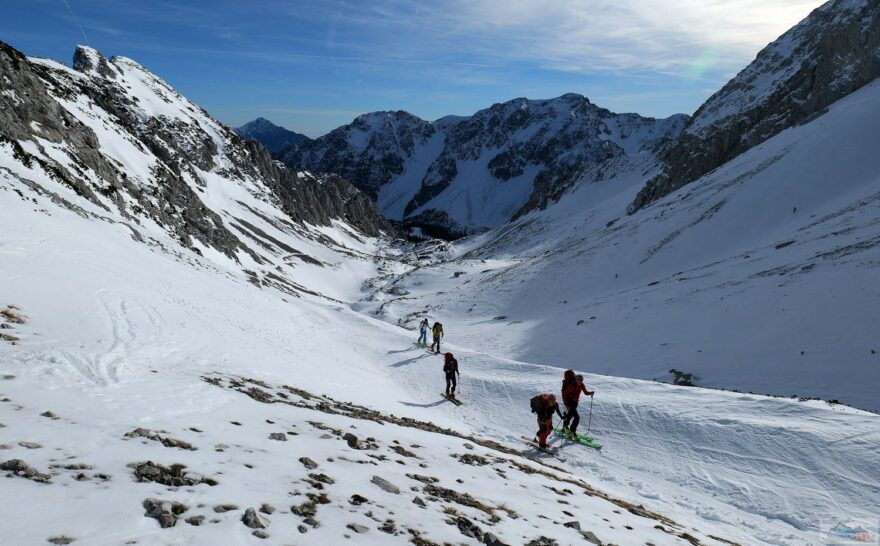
[312, 66]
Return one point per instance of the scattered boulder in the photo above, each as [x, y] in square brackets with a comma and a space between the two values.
[166, 441]
[60, 540]
[173, 475]
[267, 508]
[302, 528]
[419, 502]
[360, 529]
[542, 541]
[400, 450]
[164, 511]
[259, 533]
[50, 415]
[21, 469]
[308, 463]
[352, 440]
[196, 520]
[357, 500]
[322, 478]
[30, 445]
[254, 520]
[221, 508]
[385, 485]
[278, 436]
[305, 510]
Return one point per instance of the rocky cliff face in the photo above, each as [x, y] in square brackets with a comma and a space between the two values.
[124, 141]
[831, 53]
[271, 136]
[458, 174]
[369, 152]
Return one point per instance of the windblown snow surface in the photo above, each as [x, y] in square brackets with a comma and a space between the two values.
[106, 335]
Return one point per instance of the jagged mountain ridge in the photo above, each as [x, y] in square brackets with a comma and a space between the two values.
[831, 53]
[466, 173]
[273, 137]
[111, 140]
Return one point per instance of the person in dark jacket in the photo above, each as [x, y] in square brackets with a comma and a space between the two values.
[450, 368]
[545, 406]
[572, 387]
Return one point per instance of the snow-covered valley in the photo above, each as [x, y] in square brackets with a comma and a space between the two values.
[123, 336]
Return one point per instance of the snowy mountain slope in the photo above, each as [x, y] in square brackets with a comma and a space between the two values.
[458, 174]
[123, 339]
[113, 142]
[761, 276]
[273, 137]
[117, 337]
[831, 53]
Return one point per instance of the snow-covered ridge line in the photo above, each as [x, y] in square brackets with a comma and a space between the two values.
[831, 53]
[463, 174]
[110, 138]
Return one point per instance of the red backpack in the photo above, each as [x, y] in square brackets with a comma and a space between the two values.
[449, 363]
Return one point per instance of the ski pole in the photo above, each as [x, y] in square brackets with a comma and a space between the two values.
[590, 422]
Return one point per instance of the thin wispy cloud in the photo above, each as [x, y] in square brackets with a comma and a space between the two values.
[314, 65]
[75, 20]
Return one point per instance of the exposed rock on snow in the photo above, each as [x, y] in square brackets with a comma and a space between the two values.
[164, 511]
[173, 475]
[254, 520]
[385, 485]
[166, 441]
[17, 467]
[308, 463]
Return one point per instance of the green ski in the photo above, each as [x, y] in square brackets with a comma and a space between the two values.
[581, 439]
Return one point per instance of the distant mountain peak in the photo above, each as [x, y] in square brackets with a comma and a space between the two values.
[273, 137]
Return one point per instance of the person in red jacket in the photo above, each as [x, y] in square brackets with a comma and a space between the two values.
[572, 387]
[450, 368]
[544, 405]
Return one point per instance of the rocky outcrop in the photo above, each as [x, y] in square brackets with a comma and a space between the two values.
[369, 152]
[831, 53]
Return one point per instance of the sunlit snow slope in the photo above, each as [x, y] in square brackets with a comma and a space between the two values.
[762, 276]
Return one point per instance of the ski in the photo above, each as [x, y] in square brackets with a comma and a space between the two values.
[581, 439]
[455, 401]
[548, 450]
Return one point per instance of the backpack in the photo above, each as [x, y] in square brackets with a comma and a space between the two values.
[536, 404]
[450, 365]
